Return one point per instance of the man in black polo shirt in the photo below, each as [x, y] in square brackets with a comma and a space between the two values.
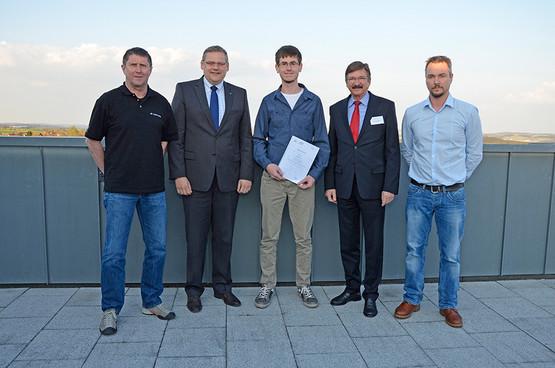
[136, 123]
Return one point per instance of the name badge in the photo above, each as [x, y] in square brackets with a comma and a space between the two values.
[376, 120]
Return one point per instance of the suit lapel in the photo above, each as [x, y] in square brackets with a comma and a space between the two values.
[345, 118]
[370, 110]
[228, 93]
[201, 95]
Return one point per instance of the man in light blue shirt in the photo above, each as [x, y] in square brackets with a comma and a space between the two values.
[442, 144]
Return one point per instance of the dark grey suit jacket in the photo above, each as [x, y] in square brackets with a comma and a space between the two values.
[202, 152]
[375, 156]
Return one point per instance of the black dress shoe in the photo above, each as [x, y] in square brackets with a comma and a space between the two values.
[229, 298]
[370, 309]
[194, 304]
[345, 297]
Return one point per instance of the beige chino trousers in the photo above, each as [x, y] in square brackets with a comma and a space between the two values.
[273, 195]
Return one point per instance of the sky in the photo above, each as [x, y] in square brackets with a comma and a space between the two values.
[57, 57]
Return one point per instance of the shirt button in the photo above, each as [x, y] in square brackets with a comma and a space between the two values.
[356, 147]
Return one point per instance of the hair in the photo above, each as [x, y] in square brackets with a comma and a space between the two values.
[439, 59]
[357, 65]
[136, 51]
[288, 50]
[214, 48]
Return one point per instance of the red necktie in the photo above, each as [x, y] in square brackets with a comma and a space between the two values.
[355, 121]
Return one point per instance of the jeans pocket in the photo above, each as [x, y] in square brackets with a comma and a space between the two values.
[413, 191]
[457, 196]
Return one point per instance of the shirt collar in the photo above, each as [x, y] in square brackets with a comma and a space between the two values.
[127, 92]
[449, 102]
[207, 84]
[364, 101]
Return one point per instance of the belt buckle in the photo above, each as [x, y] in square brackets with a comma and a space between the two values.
[436, 191]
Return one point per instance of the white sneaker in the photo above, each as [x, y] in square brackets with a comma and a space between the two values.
[160, 311]
[108, 322]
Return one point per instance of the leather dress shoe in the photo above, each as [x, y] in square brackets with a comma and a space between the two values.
[194, 304]
[345, 297]
[405, 309]
[452, 317]
[229, 298]
[370, 308]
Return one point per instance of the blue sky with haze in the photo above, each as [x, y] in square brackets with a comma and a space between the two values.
[57, 57]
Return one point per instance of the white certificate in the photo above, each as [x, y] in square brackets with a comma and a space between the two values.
[297, 159]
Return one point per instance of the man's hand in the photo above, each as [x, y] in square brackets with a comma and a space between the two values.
[306, 183]
[275, 172]
[331, 195]
[244, 186]
[183, 186]
[387, 197]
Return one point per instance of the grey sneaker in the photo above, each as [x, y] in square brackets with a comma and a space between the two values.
[108, 322]
[160, 311]
[264, 297]
[309, 300]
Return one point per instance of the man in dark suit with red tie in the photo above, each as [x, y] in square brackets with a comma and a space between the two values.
[212, 165]
[362, 177]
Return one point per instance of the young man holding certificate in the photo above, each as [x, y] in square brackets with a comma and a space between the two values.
[289, 112]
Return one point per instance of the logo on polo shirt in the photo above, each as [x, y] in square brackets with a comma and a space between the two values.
[154, 114]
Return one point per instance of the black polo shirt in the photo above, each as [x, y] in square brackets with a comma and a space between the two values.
[133, 129]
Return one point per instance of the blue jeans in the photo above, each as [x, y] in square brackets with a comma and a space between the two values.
[450, 211]
[151, 209]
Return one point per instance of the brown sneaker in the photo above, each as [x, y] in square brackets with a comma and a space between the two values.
[405, 309]
[452, 317]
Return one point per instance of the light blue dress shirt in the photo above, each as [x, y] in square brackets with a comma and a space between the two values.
[443, 147]
[221, 97]
[361, 109]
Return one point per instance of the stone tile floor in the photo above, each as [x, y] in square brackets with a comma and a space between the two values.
[506, 324]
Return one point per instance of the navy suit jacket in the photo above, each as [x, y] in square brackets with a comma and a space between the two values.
[375, 156]
[202, 152]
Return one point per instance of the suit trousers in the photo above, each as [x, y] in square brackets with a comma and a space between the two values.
[349, 211]
[273, 194]
[204, 210]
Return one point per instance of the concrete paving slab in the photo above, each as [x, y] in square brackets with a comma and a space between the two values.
[191, 362]
[383, 324]
[76, 318]
[86, 296]
[463, 358]
[487, 289]
[124, 355]
[8, 352]
[391, 293]
[515, 307]
[484, 320]
[250, 354]
[193, 342]
[20, 330]
[209, 316]
[541, 329]
[320, 340]
[136, 329]
[542, 297]
[330, 360]
[263, 328]
[34, 306]
[323, 315]
[55, 291]
[514, 347]
[56, 363]
[397, 351]
[60, 345]
[8, 295]
[439, 335]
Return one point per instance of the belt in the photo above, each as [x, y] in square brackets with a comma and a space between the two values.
[438, 188]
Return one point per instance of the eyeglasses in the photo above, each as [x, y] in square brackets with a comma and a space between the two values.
[292, 64]
[361, 79]
[212, 63]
